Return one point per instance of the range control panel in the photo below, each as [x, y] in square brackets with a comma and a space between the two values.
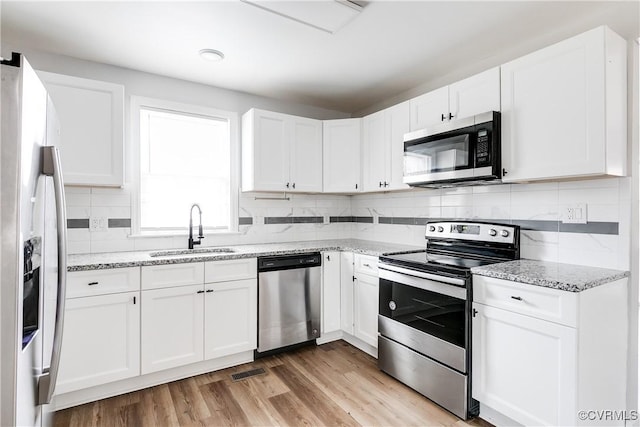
[475, 231]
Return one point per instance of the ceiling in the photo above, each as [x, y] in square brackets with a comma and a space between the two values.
[389, 48]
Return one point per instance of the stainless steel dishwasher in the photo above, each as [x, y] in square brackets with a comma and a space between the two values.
[288, 301]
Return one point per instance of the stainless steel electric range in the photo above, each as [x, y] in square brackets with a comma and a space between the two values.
[424, 320]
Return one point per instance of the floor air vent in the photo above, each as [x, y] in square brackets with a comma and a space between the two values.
[247, 374]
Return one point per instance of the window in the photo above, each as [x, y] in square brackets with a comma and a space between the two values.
[187, 155]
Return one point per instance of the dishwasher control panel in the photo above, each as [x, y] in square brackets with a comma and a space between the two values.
[286, 262]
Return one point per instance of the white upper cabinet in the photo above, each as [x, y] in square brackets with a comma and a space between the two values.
[474, 95]
[430, 109]
[341, 155]
[564, 110]
[91, 117]
[305, 168]
[281, 152]
[383, 148]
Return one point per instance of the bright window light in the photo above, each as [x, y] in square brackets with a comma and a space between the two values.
[184, 159]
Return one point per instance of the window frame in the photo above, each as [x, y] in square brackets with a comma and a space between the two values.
[140, 102]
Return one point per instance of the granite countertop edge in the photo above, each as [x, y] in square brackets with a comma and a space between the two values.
[565, 277]
[112, 260]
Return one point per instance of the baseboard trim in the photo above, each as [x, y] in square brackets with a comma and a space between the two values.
[91, 394]
[358, 343]
[329, 336]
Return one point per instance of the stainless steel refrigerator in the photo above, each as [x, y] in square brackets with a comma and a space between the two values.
[32, 247]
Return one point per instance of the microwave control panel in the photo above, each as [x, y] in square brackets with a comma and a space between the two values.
[483, 148]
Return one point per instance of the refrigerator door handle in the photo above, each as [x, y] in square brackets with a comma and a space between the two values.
[51, 167]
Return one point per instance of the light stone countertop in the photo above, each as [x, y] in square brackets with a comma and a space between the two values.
[100, 261]
[565, 277]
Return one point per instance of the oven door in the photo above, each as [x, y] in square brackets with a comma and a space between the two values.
[425, 314]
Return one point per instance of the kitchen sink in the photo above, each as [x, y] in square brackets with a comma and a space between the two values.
[202, 251]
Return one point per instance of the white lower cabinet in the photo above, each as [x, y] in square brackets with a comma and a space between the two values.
[331, 305]
[101, 341]
[230, 317]
[541, 355]
[359, 297]
[172, 327]
[188, 323]
[524, 366]
[366, 309]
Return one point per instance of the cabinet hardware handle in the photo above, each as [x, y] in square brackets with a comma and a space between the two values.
[504, 171]
[287, 185]
[451, 116]
[367, 265]
[442, 117]
[294, 185]
[356, 186]
[200, 292]
[386, 184]
[328, 257]
[380, 184]
[474, 312]
[209, 290]
[516, 298]
[134, 300]
[92, 283]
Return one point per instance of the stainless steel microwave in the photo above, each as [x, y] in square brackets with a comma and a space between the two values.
[460, 152]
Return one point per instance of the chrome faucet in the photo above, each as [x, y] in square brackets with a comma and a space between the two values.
[200, 233]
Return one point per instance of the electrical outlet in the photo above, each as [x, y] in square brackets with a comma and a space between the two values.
[98, 223]
[575, 214]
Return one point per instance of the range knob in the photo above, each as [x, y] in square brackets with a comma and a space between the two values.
[440, 229]
[505, 233]
[432, 228]
[493, 232]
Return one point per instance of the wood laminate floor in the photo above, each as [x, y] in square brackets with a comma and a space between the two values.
[329, 385]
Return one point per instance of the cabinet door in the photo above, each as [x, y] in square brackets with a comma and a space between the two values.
[476, 94]
[430, 108]
[306, 155]
[331, 292]
[553, 109]
[374, 149]
[346, 292]
[270, 141]
[366, 309]
[397, 121]
[172, 327]
[101, 341]
[91, 115]
[341, 154]
[230, 322]
[524, 367]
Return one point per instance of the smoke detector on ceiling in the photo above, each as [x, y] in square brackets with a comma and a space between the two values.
[324, 15]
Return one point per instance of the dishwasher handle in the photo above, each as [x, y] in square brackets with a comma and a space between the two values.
[288, 262]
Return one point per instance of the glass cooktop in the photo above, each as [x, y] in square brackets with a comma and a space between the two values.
[421, 260]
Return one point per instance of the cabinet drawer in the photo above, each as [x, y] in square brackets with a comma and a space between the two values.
[535, 301]
[102, 282]
[366, 264]
[169, 275]
[233, 269]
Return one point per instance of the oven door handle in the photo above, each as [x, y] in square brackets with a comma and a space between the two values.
[423, 283]
[423, 275]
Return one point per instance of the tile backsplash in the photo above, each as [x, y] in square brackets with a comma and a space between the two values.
[397, 217]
